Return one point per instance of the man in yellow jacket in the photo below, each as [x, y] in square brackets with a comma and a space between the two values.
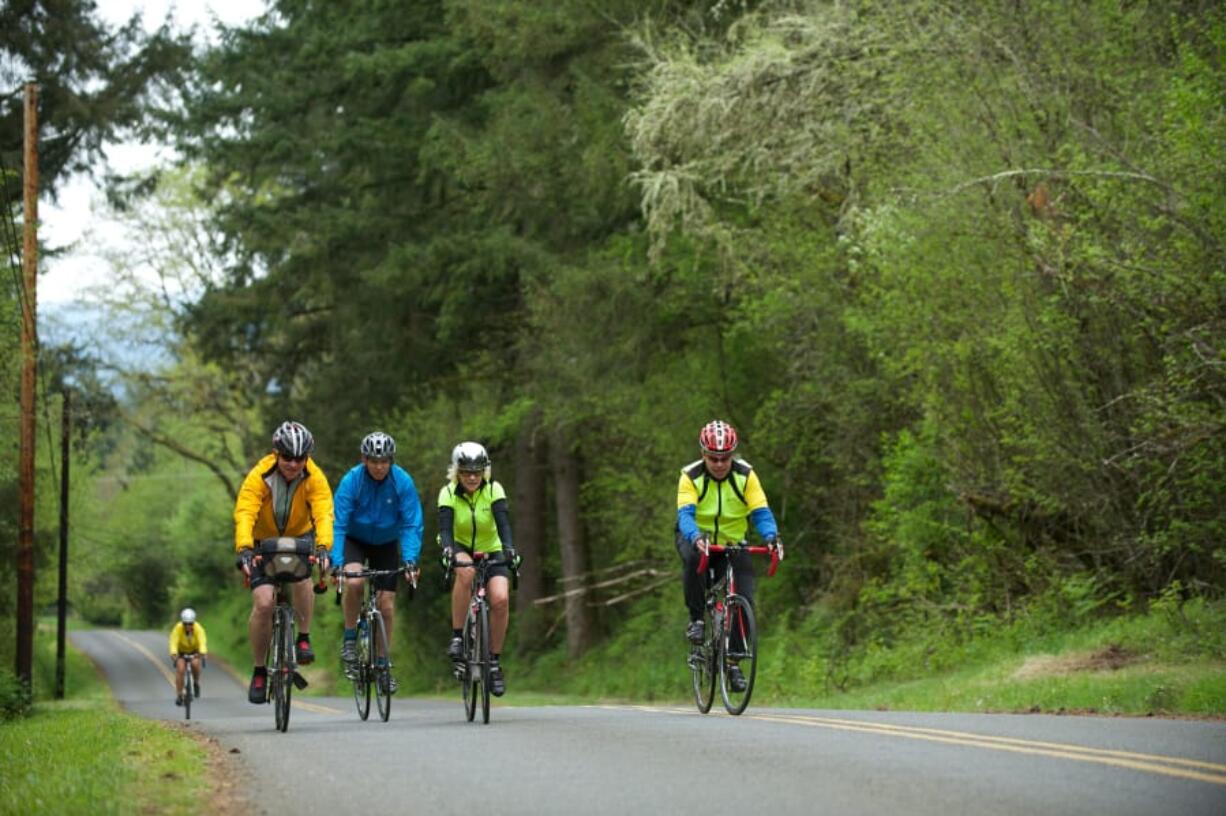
[188, 645]
[285, 494]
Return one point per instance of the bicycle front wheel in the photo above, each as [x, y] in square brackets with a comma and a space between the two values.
[485, 663]
[471, 678]
[739, 650]
[362, 669]
[281, 679]
[189, 691]
[383, 671]
[702, 664]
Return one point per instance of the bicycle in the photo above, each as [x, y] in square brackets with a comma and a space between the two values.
[285, 560]
[730, 634]
[189, 682]
[474, 672]
[372, 643]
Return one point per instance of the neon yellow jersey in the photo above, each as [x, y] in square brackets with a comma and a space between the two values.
[474, 515]
[722, 508]
[183, 643]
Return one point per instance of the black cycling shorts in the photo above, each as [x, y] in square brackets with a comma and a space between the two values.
[377, 556]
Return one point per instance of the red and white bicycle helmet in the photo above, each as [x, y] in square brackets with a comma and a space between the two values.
[717, 437]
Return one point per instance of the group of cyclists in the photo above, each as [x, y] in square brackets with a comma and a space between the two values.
[375, 519]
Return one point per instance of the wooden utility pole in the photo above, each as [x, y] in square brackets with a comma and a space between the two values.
[25, 468]
[62, 611]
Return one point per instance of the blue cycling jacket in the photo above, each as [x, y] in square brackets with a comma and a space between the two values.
[377, 512]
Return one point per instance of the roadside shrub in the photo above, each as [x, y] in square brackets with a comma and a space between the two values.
[14, 697]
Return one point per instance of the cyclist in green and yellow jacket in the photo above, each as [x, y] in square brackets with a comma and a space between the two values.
[473, 517]
[717, 497]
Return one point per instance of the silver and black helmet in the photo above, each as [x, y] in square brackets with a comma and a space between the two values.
[293, 439]
[378, 445]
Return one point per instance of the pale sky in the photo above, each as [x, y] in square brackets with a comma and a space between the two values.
[72, 218]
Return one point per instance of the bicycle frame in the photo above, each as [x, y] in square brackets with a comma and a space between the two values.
[372, 638]
[476, 669]
[730, 636]
[282, 663]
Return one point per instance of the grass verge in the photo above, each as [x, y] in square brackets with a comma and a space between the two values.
[89, 757]
[84, 755]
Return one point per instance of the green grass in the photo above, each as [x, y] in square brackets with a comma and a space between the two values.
[83, 755]
[88, 757]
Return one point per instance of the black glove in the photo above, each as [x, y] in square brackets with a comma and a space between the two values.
[512, 557]
[445, 558]
[775, 544]
[321, 558]
[244, 559]
[410, 571]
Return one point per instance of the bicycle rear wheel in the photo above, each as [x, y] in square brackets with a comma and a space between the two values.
[470, 679]
[702, 664]
[485, 663]
[281, 679]
[739, 646]
[362, 676]
[382, 674]
[189, 691]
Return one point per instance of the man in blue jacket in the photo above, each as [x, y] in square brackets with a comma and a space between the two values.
[377, 522]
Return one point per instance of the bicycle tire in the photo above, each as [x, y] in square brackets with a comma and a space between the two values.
[469, 681]
[485, 663]
[738, 618]
[189, 690]
[381, 675]
[702, 664]
[282, 680]
[365, 661]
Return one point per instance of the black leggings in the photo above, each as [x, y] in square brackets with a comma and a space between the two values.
[695, 584]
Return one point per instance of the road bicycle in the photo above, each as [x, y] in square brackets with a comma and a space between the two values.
[373, 671]
[189, 682]
[730, 634]
[285, 561]
[474, 670]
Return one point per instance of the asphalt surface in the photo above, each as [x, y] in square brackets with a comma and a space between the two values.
[670, 759]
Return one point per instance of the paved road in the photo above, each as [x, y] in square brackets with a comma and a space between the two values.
[670, 759]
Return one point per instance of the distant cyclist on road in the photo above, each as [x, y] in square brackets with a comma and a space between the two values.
[378, 522]
[285, 494]
[716, 497]
[188, 643]
[473, 516]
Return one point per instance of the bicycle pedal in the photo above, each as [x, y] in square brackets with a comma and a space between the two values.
[300, 682]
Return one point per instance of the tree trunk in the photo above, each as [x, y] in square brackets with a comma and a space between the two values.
[565, 467]
[528, 519]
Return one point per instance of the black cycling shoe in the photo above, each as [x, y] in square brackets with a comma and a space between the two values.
[498, 686]
[257, 692]
[197, 685]
[455, 650]
[736, 679]
[179, 700]
[306, 655]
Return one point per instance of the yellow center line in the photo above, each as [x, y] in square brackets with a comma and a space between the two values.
[1058, 746]
[161, 666]
[1214, 773]
[1076, 753]
[170, 677]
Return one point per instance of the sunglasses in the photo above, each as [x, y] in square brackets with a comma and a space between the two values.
[472, 472]
[712, 457]
[285, 458]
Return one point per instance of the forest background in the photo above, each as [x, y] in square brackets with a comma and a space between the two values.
[957, 273]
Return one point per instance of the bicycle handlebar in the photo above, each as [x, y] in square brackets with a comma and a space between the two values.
[756, 549]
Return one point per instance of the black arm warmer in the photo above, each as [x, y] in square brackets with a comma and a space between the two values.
[502, 520]
[446, 527]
